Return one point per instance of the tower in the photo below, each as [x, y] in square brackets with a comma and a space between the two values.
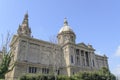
[66, 34]
[24, 27]
[66, 38]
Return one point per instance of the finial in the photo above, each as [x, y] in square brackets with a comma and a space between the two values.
[25, 20]
[26, 15]
[65, 21]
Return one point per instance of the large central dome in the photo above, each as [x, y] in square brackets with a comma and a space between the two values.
[65, 27]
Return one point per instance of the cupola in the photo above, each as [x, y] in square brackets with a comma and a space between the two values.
[66, 34]
[65, 27]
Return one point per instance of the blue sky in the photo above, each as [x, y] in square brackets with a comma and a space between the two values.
[96, 22]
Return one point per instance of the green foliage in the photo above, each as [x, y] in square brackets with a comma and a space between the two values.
[63, 78]
[37, 77]
[102, 74]
[44, 77]
[5, 65]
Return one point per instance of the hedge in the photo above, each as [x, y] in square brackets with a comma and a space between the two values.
[102, 74]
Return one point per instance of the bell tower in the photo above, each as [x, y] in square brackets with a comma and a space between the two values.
[66, 34]
[24, 28]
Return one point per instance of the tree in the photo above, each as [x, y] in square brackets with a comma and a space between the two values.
[6, 65]
[53, 42]
[105, 73]
[102, 74]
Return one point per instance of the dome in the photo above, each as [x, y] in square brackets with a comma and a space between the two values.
[66, 27]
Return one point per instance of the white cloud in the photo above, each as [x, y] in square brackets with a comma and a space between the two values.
[118, 51]
[99, 53]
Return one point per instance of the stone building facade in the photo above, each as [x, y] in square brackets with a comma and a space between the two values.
[63, 58]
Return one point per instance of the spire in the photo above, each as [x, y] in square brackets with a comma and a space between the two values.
[25, 20]
[65, 22]
[24, 27]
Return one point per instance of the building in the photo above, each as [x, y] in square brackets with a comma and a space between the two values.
[64, 58]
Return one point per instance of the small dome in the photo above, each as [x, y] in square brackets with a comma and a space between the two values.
[66, 27]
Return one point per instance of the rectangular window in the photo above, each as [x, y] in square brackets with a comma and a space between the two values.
[42, 70]
[77, 51]
[87, 58]
[72, 61]
[77, 57]
[58, 72]
[32, 69]
[93, 63]
[78, 60]
[82, 53]
[45, 70]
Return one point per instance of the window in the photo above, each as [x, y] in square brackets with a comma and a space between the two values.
[87, 58]
[72, 39]
[93, 63]
[32, 69]
[73, 73]
[77, 60]
[82, 53]
[83, 62]
[45, 70]
[77, 57]
[77, 51]
[58, 72]
[72, 61]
